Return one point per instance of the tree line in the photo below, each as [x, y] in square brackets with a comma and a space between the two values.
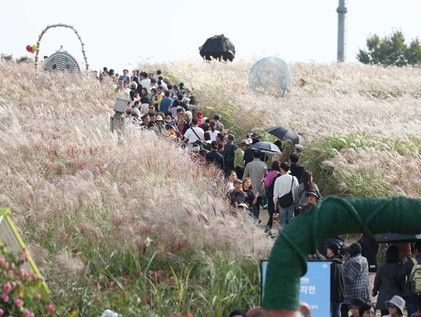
[391, 51]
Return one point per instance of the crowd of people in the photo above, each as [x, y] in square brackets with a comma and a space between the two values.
[171, 111]
[277, 183]
[397, 281]
[357, 280]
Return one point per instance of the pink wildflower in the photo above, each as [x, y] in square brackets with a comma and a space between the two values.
[4, 297]
[1, 312]
[23, 273]
[7, 287]
[27, 313]
[51, 308]
[18, 302]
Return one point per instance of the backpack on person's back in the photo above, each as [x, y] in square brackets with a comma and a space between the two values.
[415, 277]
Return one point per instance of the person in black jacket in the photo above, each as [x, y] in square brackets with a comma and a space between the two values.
[413, 301]
[269, 184]
[337, 279]
[295, 169]
[228, 154]
[386, 283]
[214, 157]
[369, 249]
[248, 153]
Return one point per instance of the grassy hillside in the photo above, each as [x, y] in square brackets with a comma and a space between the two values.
[335, 99]
[361, 124]
[134, 224]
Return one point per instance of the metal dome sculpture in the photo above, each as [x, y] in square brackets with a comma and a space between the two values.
[61, 60]
[270, 74]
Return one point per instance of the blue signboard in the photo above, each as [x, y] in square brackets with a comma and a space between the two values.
[314, 286]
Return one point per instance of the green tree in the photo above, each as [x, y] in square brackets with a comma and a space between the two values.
[391, 50]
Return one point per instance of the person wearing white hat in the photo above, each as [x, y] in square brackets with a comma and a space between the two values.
[395, 306]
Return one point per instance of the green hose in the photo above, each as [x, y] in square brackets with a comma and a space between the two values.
[332, 216]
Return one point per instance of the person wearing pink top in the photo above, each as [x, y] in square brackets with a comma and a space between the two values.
[268, 184]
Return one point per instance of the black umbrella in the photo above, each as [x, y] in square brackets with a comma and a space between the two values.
[397, 237]
[266, 147]
[218, 47]
[285, 134]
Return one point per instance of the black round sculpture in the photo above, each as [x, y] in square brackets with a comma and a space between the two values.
[218, 47]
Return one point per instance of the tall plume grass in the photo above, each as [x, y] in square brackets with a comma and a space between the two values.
[134, 223]
[365, 164]
[324, 99]
[94, 205]
[379, 107]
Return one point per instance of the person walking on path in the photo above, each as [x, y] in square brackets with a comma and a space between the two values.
[212, 132]
[285, 185]
[228, 154]
[369, 249]
[356, 277]
[194, 133]
[296, 169]
[239, 158]
[386, 282]
[301, 191]
[269, 184]
[256, 170]
[219, 125]
[251, 199]
[213, 157]
[337, 279]
[412, 297]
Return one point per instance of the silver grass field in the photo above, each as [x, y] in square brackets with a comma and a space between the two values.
[134, 224]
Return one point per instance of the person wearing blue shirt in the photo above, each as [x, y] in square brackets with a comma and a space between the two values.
[166, 102]
[125, 77]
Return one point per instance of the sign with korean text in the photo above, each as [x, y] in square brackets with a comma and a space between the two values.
[314, 286]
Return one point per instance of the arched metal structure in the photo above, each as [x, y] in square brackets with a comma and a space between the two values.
[65, 26]
[332, 216]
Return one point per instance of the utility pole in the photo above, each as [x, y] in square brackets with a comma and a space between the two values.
[341, 31]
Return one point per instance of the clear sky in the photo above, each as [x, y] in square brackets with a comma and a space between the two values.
[123, 33]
